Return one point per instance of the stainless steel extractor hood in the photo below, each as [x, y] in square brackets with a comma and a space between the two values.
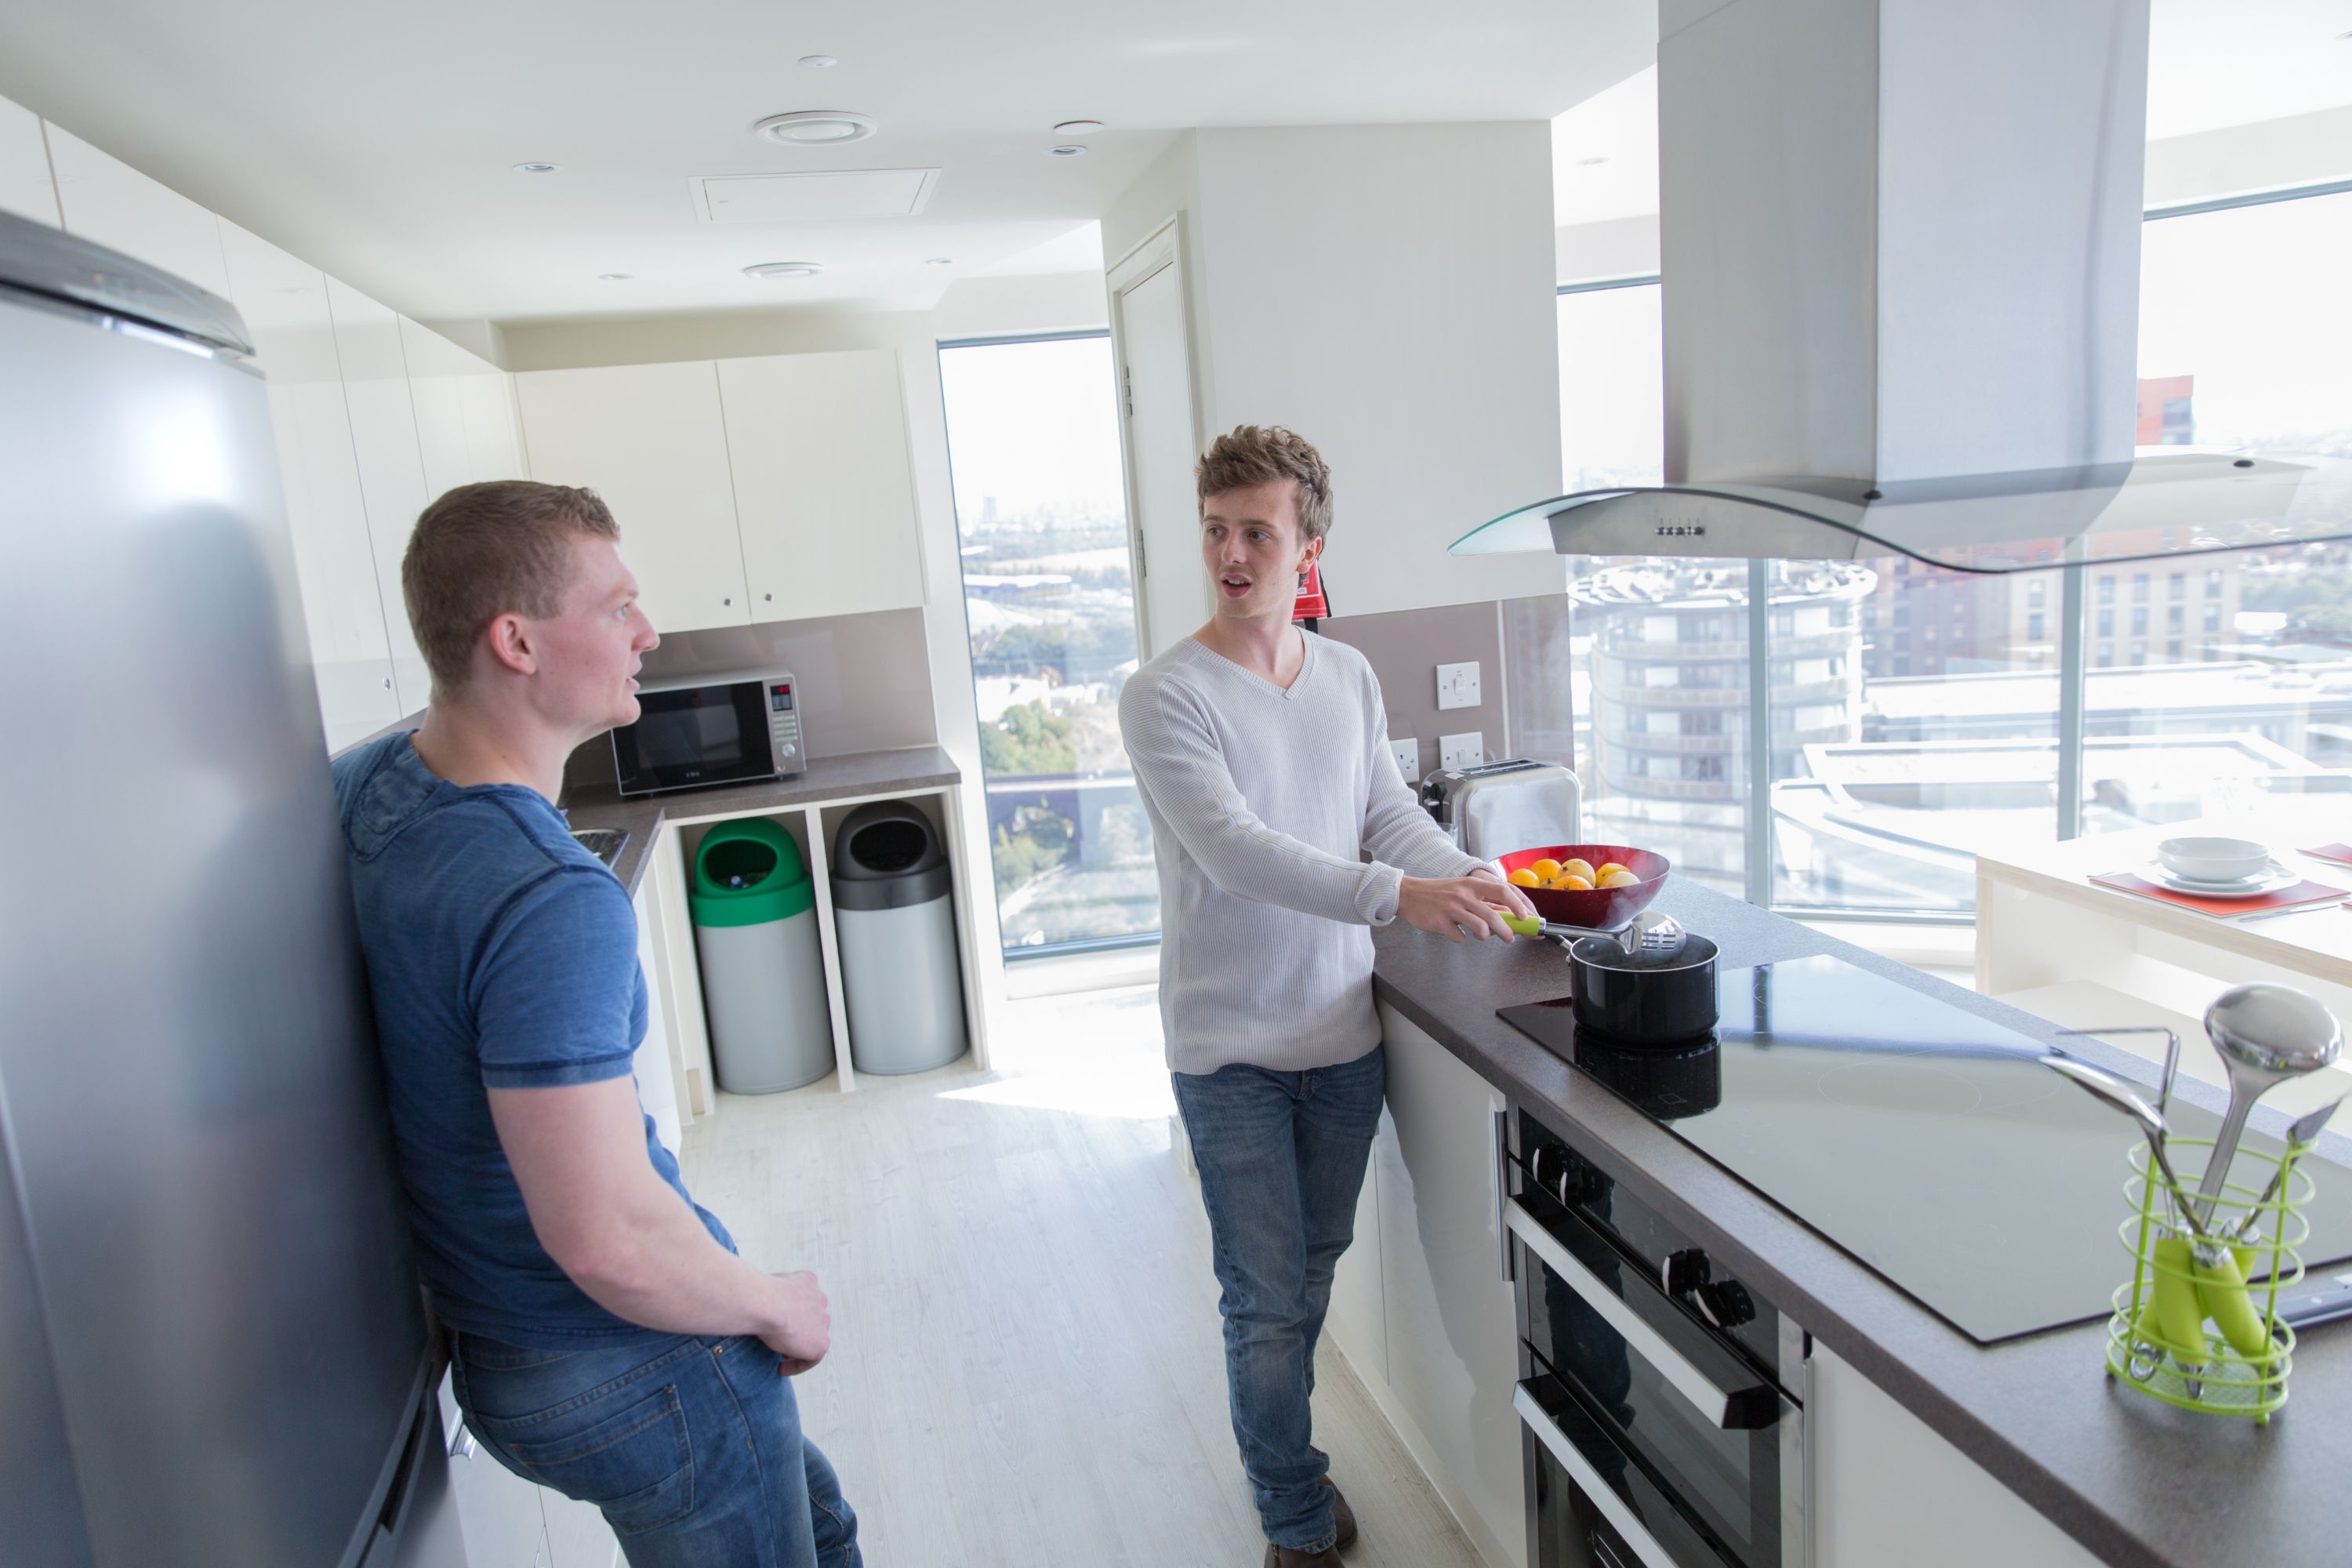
[1900, 244]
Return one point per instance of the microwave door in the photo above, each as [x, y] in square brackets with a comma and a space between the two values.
[693, 736]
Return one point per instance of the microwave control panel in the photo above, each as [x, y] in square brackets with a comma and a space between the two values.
[785, 726]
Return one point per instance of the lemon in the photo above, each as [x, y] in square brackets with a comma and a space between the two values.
[1545, 869]
[1577, 868]
[1574, 883]
[1524, 878]
[1607, 867]
[1619, 877]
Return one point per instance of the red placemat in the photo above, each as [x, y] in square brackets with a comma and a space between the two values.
[2339, 853]
[2304, 892]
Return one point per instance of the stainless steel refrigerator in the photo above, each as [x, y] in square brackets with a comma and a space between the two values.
[213, 1347]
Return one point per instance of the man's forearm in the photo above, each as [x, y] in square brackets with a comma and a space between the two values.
[657, 1266]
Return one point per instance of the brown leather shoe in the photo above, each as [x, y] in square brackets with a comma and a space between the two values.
[1343, 1518]
[1284, 1557]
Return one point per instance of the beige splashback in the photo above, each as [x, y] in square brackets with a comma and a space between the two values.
[1405, 648]
[865, 680]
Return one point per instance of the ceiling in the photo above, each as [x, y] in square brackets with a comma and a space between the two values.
[378, 141]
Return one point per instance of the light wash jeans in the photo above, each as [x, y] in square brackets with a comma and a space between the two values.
[691, 1447]
[1282, 1157]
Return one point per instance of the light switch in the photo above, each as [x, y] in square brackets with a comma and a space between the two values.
[1408, 757]
[1457, 685]
[1464, 751]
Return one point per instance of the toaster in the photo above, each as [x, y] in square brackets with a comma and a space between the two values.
[1497, 807]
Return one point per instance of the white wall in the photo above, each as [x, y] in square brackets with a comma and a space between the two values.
[1387, 291]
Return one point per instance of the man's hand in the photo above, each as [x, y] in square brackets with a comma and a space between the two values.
[802, 1330]
[1449, 906]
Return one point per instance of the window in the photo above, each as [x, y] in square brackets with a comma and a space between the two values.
[2140, 620]
[2107, 589]
[2139, 587]
[2106, 622]
[2037, 591]
[1033, 453]
[2033, 626]
[2179, 581]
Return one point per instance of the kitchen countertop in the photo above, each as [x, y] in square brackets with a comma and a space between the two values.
[828, 778]
[2136, 1482]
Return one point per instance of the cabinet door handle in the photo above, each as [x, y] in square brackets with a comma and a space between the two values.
[1710, 1400]
[461, 1446]
[1597, 1492]
[1503, 1192]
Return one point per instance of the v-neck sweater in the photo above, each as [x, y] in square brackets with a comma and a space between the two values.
[1283, 831]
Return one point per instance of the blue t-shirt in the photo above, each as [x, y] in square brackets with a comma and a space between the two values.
[500, 955]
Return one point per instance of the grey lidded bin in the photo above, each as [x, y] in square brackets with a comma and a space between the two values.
[894, 912]
[755, 910]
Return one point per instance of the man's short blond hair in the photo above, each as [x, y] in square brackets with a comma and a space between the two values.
[483, 551]
[1258, 454]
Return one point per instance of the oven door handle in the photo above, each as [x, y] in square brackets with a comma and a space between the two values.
[1747, 1409]
[1599, 1492]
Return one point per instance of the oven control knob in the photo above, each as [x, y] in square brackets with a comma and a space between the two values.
[1725, 1303]
[1684, 1272]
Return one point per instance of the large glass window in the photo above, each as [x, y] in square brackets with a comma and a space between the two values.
[1033, 443]
[1914, 712]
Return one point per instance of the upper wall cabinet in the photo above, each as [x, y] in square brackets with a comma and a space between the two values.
[106, 200]
[650, 440]
[391, 470]
[824, 486]
[25, 187]
[284, 302]
[464, 413]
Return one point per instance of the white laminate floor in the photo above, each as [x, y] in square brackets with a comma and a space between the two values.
[1026, 1363]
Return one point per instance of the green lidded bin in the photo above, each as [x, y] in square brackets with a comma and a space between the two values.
[754, 910]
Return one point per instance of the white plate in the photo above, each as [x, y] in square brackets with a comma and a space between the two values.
[2269, 881]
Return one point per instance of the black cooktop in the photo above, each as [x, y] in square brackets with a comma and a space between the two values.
[1927, 1142]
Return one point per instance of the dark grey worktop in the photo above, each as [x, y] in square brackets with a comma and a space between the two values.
[2136, 1482]
[828, 778]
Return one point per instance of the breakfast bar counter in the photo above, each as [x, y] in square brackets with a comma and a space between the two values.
[2134, 1481]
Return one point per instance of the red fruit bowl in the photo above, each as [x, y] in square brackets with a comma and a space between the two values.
[1598, 908]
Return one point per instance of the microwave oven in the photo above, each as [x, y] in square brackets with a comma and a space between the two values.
[709, 730]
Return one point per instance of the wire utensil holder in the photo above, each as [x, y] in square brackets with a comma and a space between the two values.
[2188, 1327]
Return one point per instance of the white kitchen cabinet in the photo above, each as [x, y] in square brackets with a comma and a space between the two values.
[1450, 1329]
[825, 488]
[104, 199]
[658, 1069]
[26, 188]
[284, 302]
[577, 1535]
[392, 469]
[498, 1512]
[464, 413]
[1887, 1488]
[650, 440]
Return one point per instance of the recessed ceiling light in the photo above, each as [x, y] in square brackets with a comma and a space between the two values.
[818, 62]
[1069, 149]
[1589, 162]
[940, 262]
[535, 168]
[613, 276]
[783, 270]
[817, 127]
[1077, 127]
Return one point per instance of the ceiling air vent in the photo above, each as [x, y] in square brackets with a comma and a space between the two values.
[830, 195]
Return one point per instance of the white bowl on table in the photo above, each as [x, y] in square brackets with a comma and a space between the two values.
[2214, 859]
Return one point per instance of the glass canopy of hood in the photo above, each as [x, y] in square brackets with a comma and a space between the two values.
[2171, 504]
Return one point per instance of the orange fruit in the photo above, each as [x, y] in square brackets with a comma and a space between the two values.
[1577, 868]
[1619, 877]
[1524, 878]
[1545, 869]
[1607, 867]
[1574, 883]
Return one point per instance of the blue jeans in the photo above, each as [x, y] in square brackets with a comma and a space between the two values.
[691, 1447]
[1282, 1157]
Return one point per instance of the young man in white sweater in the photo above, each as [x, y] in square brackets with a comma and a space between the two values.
[1284, 834]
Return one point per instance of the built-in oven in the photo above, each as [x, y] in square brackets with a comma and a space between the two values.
[710, 731]
[1662, 1401]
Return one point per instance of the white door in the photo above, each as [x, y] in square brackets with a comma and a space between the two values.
[824, 485]
[1162, 443]
[392, 469]
[650, 440]
[283, 300]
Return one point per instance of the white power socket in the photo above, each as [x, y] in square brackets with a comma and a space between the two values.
[1457, 685]
[1407, 753]
[1464, 751]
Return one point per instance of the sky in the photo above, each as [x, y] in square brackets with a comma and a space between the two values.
[1033, 425]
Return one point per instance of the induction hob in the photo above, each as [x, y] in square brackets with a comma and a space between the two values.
[1927, 1142]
